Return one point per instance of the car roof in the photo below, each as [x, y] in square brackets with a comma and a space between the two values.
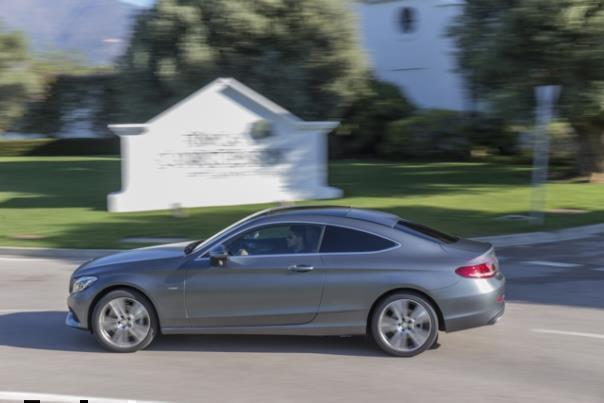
[374, 216]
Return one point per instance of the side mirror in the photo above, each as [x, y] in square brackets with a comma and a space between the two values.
[218, 256]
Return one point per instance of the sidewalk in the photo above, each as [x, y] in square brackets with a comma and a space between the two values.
[528, 238]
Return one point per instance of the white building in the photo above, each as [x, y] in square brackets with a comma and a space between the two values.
[223, 145]
[407, 45]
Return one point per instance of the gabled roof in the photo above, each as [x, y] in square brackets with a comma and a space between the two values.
[222, 83]
[218, 85]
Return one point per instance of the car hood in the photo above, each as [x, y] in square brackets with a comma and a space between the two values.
[168, 251]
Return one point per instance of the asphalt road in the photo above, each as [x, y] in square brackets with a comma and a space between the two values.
[549, 347]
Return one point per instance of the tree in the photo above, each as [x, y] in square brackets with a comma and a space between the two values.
[303, 54]
[507, 47]
[17, 82]
[68, 91]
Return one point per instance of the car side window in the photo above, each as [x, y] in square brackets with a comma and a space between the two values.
[276, 239]
[338, 239]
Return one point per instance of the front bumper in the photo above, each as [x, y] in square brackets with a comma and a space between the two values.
[79, 305]
[72, 321]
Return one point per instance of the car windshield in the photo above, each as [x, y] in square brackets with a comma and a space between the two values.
[425, 231]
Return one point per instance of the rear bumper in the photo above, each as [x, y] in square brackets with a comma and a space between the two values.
[497, 317]
[472, 303]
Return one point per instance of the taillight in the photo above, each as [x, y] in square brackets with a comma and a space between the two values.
[483, 270]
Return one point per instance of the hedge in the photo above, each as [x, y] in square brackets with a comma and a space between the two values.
[56, 147]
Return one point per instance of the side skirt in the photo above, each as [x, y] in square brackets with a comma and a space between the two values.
[291, 330]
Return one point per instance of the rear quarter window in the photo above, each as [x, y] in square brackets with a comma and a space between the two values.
[338, 240]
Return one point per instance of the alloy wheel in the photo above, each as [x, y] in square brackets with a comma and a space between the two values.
[124, 322]
[404, 325]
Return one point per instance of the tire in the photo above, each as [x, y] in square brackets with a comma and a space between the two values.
[124, 321]
[404, 324]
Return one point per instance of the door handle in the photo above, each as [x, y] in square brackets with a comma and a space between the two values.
[300, 268]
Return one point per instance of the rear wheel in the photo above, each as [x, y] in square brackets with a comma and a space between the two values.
[124, 321]
[404, 324]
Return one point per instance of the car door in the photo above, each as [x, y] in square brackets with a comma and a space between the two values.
[356, 265]
[263, 281]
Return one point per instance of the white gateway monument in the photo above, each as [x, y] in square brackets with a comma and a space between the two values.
[223, 145]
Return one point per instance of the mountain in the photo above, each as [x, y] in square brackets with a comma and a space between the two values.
[98, 29]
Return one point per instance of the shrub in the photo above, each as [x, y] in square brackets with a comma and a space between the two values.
[430, 134]
[20, 147]
[364, 123]
[493, 133]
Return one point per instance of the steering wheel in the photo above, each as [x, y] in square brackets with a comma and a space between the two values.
[242, 247]
[249, 246]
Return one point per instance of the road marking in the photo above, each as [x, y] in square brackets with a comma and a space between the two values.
[44, 397]
[600, 269]
[565, 333]
[551, 264]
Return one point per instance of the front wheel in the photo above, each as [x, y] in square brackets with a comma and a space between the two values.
[124, 321]
[404, 324]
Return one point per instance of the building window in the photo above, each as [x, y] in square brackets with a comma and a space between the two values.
[408, 20]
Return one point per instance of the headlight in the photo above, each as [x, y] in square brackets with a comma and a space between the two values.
[81, 283]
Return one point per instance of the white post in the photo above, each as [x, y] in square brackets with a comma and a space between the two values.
[546, 96]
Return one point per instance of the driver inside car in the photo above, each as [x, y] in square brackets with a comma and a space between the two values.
[295, 239]
[291, 240]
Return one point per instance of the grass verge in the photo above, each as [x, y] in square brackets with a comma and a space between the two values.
[61, 201]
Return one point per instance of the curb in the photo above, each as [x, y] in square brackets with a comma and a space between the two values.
[56, 253]
[533, 238]
[528, 238]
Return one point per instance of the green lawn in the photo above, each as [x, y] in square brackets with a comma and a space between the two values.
[61, 201]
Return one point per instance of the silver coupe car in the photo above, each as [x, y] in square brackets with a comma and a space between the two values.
[314, 270]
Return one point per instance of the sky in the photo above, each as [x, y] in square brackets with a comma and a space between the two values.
[142, 3]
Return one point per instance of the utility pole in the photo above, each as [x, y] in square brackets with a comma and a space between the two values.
[546, 97]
